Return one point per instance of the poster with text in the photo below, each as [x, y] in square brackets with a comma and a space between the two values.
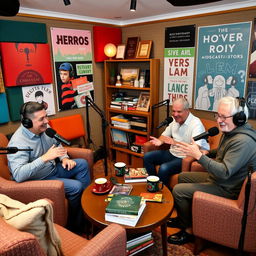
[42, 94]
[72, 53]
[251, 99]
[252, 69]
[222, 58]
[179, 54]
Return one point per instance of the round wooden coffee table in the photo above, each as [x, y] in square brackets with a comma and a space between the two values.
[154, 215]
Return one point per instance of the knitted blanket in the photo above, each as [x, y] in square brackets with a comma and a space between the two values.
[35, 218]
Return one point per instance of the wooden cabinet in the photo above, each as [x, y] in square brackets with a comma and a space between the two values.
[124, 153]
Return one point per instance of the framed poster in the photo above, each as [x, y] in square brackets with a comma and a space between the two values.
[119, 138]
[120, 52]
[143, 102]
[129, 74]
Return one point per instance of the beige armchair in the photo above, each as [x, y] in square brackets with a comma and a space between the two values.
[30, 191]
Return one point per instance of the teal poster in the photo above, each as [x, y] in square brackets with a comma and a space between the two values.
[222, 60]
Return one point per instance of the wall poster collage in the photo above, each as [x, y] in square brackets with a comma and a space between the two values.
[72, 53]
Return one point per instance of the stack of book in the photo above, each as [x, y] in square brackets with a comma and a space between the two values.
[125, 209]
[124, 102]
[120, 121]
[136, 175]
[137, 243]
[138, 123]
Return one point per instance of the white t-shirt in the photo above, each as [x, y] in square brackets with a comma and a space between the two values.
[185, 132]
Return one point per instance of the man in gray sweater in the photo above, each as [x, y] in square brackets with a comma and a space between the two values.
[225, 174]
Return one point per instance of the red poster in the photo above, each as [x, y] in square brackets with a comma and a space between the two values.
[26, 64]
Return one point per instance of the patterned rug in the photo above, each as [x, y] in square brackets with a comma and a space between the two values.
[173, 250]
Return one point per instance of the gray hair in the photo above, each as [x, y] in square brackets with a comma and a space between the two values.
[234, 104]
[183, 101]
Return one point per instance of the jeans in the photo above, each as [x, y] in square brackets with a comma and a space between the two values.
[75, 181]
[169, 164]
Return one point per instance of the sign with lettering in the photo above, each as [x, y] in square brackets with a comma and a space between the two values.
[179, 56]
[72, 53]
[222, 59]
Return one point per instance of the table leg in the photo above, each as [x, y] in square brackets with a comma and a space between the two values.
[164, 238]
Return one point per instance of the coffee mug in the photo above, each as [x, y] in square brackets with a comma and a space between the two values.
[101, 184]
[153, 184]
[120, 168]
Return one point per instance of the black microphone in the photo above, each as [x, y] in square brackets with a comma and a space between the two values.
[13, 150]
[167, 121]
[53, 134]
[211, 132]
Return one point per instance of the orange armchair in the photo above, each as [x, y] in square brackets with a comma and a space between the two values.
[109, 242]
[218, 219]
[30, 191]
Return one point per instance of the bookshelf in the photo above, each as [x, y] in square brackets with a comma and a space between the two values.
[150, 69]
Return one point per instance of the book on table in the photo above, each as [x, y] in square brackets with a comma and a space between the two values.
[140, 247]
[125, 209]
[123, 189]
[136, 175]
[152, 197]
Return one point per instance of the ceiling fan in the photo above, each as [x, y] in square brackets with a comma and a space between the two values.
[190, 2]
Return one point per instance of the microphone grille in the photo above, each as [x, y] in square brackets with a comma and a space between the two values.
[169, 119]
[213, 131]
[50, 132]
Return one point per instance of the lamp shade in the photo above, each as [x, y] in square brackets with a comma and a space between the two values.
[110, 50]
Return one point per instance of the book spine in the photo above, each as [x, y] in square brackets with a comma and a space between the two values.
[139, 248]
[121, 211]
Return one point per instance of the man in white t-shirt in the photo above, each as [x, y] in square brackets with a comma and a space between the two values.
[184, 127]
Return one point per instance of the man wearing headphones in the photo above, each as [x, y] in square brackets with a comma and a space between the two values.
[67, 92]
[225, 175]
[47, 161]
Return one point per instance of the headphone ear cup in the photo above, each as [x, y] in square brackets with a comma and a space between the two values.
[27, 123]
[239, 118]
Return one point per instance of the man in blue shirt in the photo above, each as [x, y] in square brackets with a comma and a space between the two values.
[48, 160]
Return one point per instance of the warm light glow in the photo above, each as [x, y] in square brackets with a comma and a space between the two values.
[110, 50]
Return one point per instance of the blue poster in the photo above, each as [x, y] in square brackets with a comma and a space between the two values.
[251, 99]
[222, 59]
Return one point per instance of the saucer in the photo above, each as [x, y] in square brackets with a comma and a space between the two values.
[109, 186]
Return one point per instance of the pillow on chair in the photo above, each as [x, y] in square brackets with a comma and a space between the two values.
[35, 218]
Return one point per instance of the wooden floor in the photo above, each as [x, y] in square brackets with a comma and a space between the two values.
[211, 250]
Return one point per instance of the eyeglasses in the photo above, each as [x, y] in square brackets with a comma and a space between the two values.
[222, 118]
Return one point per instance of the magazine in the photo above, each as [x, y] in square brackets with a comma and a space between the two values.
[123, 189]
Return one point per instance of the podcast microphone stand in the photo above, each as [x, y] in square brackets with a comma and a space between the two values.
[13, 150]
[104, 124]
[158, 105]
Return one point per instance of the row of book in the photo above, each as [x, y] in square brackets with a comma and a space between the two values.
[124, 103]
[129, 122]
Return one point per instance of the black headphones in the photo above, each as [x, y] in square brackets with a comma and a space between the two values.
[27, 122]
[239, 118]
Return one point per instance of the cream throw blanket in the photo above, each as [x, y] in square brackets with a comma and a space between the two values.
[35, 218]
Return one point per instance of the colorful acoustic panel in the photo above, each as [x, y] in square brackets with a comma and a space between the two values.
[4, 113]
[103, 36]
[26, 64]
[19, 31]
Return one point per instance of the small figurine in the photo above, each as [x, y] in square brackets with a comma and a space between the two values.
[118, 81]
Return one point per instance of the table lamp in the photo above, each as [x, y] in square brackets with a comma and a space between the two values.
[110, 50]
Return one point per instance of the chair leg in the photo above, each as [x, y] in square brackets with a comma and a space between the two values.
[200, 244]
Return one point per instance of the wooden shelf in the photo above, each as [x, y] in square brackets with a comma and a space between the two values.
[125, 154]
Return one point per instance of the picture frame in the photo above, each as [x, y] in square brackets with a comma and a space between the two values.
[144, 49]
[129, 74]
[143, 102]
[131, 47]
[119, 138]
[120, 51]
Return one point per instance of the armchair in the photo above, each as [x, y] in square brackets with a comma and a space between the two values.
[218, 219]
[33, 190]
[109, 242]
[188, 163]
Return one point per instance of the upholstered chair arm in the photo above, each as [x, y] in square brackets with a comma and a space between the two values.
[215, 223]
[110, 241]
[84, 153]
[15, 242]
[30, 191]
[186, 163]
